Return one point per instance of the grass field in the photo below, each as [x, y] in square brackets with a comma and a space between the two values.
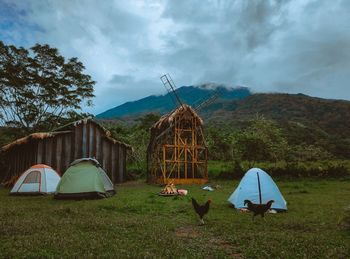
[136, 223]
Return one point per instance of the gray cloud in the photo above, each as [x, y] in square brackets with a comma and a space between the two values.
[267, 45]
[121, 79]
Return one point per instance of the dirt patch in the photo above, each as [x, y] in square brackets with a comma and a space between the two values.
[230, 250]
[186, 232]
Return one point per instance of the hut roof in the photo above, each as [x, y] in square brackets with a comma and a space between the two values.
[166, 122]
[168, 119]
[74, 124]
[38, 135]
[62, 130]
[104, 130]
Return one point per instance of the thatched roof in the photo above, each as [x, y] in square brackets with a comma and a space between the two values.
[38, 135]
[62, 130]
[167, 119]
[166, 122]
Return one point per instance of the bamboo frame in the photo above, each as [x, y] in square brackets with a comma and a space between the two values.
[178, 152]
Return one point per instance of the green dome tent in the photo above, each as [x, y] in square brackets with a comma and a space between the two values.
[84, 179]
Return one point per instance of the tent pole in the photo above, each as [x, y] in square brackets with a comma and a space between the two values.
[257, 174]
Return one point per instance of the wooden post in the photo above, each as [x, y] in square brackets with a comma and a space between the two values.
[92, 140]
[104, 156]
[67, 151]
[53, 152]
[84, 140]
[72, 146]
[107, 156]
[179, 161]
[185, 158]
[77, 144]
[121, 163]
[39, 159]
[114, 176]
[63, 155]
[124, 162]
[59, 154]
[48, 148]
[164, 164]
[98, 145]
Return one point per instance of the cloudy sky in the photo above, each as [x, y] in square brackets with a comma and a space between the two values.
[268, 46]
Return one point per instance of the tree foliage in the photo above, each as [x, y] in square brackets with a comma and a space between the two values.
[261, 141]
[38, 87]
[219, 143]
[136, 135]
[252, 143]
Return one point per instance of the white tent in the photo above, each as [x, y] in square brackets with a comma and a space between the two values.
[39, 179]
[258, 187]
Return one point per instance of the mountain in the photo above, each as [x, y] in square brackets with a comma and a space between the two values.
[164, 103]
[236, 105]
[303, 119]
[331, 116]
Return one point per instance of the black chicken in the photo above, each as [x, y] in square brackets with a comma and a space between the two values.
[201, 210]
[258, 208]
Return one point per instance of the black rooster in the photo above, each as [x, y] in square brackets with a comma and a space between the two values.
[201, 210]
[258, 208]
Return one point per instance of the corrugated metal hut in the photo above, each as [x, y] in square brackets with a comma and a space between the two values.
[177, 151]
[84, 138]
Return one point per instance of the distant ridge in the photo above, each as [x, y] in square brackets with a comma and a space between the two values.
[164, 103]
[330, 116]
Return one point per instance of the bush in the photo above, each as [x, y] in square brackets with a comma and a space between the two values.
[136, 170]
[236, 172]
[311, 169]
[320, 169]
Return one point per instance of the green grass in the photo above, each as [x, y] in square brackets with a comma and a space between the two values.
[136, 223]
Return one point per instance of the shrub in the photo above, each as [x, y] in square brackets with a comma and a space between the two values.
[320, 169]
[236, 171]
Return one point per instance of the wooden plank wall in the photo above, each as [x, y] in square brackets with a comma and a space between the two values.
[93, 143]
[86, 140]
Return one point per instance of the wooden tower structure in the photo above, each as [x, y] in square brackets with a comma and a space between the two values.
[177, 152]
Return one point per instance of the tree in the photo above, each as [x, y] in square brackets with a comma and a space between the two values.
[261, 141]
[218, 141]
[147, 121]
[138, 136]
[308, 153]
[38, 87]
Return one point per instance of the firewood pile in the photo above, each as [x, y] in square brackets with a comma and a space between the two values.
[169, 189]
